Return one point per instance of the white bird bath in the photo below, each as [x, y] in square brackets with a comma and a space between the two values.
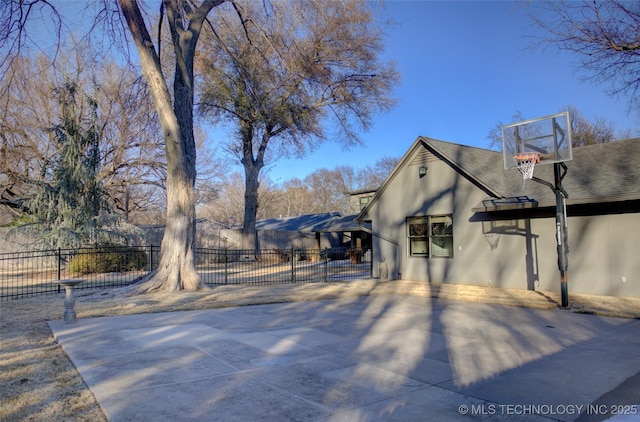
[69, 316]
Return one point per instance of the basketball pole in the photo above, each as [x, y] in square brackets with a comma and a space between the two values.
[535, 141]
[562, 235]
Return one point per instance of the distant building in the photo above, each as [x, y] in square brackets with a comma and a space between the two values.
[359, 199]
[312, 231]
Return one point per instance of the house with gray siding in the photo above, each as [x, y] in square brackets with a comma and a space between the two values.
[450, 213]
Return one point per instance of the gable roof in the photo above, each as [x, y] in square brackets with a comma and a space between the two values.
[480, 166]
[300, 223]
[345, 223]
[607, 172]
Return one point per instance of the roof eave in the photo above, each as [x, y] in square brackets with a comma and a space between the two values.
[343, 229]
[510, 204]
[506, 204]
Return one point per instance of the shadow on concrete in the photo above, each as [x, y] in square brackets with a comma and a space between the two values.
[377, 357]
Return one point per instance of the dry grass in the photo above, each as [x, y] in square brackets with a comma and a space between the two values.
[39, 383]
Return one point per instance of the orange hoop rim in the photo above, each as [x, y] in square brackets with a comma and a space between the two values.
[527, 156]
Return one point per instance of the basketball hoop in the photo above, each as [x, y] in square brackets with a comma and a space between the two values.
[526, 162]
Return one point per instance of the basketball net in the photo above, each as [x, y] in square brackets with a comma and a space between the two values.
[526, 162]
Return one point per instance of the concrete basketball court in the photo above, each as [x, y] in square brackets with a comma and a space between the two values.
[377, 358]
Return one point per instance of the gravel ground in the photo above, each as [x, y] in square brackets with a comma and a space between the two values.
[39, 383]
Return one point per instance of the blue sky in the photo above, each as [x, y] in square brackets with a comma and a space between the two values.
[465, 67]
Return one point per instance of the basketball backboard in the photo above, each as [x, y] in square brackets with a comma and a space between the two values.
[549, 136]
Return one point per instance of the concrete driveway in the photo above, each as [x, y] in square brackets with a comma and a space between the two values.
[378, 358]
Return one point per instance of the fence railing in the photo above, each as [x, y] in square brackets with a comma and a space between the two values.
[25, 274]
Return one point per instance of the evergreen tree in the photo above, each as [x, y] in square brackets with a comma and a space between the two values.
[68, 208]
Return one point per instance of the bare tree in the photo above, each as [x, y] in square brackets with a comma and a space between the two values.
[133, 162]
[174, 107]
[271, 199]
[308, 74]
[15, 18]
[322, 191]
[494, 136]
[176, 270]
[297, 199]
[27, 110]
[131, 168]
[339, 77]
[227, 205]
[372, 176]
[584, 132]
[212, 176]
[604, 35]
[330, 188]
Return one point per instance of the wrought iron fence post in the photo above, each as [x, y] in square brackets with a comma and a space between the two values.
[226, 261]
[326, 264]
[293, 266]
[59, 266]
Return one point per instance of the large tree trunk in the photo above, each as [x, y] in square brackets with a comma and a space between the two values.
[252, 167]
[176, 270]
[249, 234]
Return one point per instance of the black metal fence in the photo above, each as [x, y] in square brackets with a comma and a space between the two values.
[24, 274]
[273, 266]
[30, 273]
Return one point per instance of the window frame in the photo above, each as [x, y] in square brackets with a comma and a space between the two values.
[364, 201]
[422, 231]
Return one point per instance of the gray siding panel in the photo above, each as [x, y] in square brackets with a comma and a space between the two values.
[517, 253]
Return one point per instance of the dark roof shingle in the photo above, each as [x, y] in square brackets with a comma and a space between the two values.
[300, 223]
[598, 173]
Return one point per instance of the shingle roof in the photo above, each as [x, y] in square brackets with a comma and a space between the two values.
[325, 222]
[605, 172]
[608, 172]
[598, 173]
[300, 223]
[346, 223]
[482, 165]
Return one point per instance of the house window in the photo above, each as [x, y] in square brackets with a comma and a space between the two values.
[430, 236]
[364, 201]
